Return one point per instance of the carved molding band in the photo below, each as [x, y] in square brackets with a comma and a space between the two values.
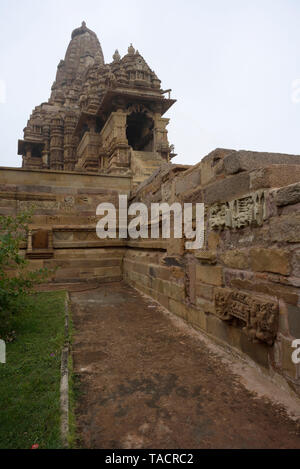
[239, 213]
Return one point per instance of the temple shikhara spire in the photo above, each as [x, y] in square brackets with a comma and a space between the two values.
[104, 118]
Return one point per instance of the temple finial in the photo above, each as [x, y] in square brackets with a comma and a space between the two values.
[131, 50]
[116, 56]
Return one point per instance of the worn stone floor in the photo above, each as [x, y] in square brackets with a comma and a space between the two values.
[147, 382]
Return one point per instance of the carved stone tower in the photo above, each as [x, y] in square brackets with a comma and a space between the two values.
[104, 118]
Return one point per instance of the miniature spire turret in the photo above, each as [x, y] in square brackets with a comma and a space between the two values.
[116, 56]
[131, 50]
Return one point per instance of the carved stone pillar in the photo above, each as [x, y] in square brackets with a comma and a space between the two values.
[161, 143]
[46, 149]
[57, 144]
[50, 239]
[29, 241]
[115, 143]
[28, 152]
[69, 143]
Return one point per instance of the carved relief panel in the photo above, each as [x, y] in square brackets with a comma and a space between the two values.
[259, 315]
[240, 212]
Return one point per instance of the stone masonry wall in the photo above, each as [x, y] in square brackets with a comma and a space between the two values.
[243, 287]
[64, 207]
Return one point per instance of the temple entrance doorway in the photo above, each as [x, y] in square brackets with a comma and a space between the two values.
[139, 131]
[40, 239]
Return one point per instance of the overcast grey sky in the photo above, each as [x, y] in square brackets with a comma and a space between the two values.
[230, 63]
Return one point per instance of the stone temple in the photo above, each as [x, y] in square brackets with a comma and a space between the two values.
[103, 133]
[104, 118]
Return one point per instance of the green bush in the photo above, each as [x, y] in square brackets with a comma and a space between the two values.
[15, 280]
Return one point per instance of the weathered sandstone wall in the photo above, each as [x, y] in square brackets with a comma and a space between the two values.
[64, 207]
[243, 287]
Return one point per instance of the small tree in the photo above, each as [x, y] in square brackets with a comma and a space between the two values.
[15, 280]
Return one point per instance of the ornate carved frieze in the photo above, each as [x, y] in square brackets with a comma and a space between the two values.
[63, 236]
[238, 213]
[78, 236]
[38, 204]
[259, 315]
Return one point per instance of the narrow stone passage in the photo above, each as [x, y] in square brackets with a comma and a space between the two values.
[145, 383]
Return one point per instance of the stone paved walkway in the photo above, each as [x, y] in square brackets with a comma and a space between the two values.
[146, 382]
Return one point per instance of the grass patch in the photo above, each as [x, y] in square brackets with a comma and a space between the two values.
[72, 437]
[30, 380]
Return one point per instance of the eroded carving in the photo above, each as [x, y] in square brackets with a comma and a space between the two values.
[63, 236]
[259, 315]
[220, 216]
[37, 204]
[239, 213]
